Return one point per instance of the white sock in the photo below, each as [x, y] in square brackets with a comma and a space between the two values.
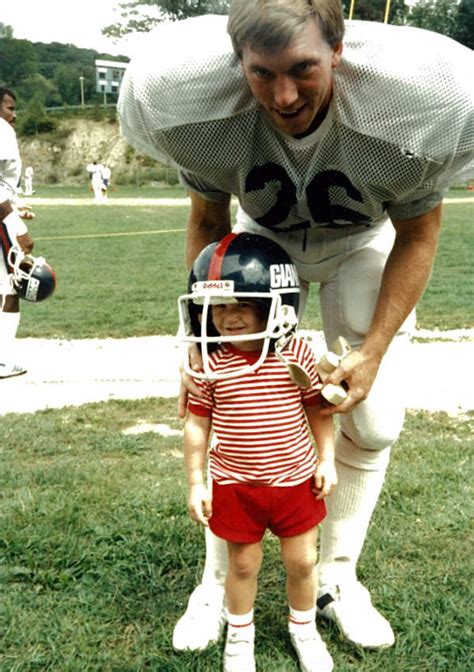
[240, 621]
[9, 323]
[216, 563]
[301, 620]
[344, 529]
[240, 631]
[215, 567]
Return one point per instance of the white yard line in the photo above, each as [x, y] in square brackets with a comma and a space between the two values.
[72, 373]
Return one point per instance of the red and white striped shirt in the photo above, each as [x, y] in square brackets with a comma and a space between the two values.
[258, 418]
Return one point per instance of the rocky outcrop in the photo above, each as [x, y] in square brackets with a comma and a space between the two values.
[62, 156]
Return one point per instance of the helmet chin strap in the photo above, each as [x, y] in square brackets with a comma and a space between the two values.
[288, 326]
[296, 372]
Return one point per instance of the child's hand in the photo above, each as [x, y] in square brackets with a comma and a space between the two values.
[199, 504]
[325, 478]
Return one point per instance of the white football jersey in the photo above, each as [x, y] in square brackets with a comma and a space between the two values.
[10, 162]
[399, 131]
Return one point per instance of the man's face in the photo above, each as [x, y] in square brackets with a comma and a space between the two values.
[294, 85]
[8, 109]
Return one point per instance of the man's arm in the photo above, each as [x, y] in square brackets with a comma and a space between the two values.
[16, 228]
[404, 279]
[208, 221]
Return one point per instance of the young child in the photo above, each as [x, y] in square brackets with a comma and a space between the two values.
[265, 474]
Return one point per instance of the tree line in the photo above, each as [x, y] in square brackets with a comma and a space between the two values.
[453, 18]
[47, 75]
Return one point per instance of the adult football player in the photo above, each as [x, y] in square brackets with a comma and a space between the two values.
[13, 233]
[342, 155]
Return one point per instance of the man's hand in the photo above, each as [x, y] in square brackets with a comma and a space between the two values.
[357, 370]
[25, 242]
[187, 382]
[25, 211]
[325, 478]
[199, 504]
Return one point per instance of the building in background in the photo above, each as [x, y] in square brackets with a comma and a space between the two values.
[109, 75]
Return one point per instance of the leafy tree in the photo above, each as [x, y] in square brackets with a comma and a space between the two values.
[66, 78]
[374, 10]
[439, 16]
[5, 30]
[464, 30]
[17, 59]
[35, 120]
[37, 87]
[136, 21]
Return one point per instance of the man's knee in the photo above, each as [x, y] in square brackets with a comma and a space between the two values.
[348, 452]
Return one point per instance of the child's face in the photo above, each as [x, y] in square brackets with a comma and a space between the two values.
[237, 319]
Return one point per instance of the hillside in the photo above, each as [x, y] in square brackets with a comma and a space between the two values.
[61, 157]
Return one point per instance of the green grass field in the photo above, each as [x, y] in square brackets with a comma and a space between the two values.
[120, 270]
[85, 192]
[98, 555]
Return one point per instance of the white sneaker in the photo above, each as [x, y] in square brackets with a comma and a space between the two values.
[238, 652]
[10, 370]
[359, 621]
[312, 651]
[203, 621]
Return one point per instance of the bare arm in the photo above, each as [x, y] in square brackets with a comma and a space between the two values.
[322, 428]
[15, 227]
[196, 439]
[208, 221]
[404, 280]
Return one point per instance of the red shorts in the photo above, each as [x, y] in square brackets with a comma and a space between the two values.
[242, 512]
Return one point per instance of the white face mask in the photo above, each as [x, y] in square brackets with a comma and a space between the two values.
[280, 327]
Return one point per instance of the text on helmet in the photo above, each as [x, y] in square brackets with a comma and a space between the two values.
[283, 275]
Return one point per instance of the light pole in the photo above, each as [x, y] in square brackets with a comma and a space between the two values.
[81, 80]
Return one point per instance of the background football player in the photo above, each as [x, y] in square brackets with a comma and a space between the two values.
[13, 232]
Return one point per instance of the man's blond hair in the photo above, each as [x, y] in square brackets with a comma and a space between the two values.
[270, 25]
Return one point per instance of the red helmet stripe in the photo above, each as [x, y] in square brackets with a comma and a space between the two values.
[215, 267]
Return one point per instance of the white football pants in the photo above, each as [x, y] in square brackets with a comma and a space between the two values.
[347, 263]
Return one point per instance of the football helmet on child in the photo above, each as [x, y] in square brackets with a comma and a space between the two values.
[242, 266]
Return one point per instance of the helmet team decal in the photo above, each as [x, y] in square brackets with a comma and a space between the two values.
[283, 275]
[33, 279]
